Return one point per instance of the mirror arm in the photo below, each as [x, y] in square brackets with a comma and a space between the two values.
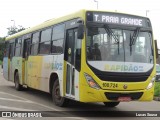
[156, 48]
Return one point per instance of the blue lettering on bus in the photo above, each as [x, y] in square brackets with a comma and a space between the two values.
[127, 68]
[57, 66]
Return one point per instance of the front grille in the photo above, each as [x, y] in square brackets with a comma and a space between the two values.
[115, 96]
[122, 78]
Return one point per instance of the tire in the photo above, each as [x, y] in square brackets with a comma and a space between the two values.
[57, 99]
[17, 85]
[111, 104]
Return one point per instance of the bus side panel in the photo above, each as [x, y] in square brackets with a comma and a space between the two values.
[47, 66]
[34, 69]
[58, 61]
[17, 65]
[51, 64]
[5, 67]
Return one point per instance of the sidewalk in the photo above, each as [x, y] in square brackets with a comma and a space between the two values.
[157, 98]
[1, 70]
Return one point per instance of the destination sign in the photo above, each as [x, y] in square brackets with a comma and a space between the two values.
[120, 19]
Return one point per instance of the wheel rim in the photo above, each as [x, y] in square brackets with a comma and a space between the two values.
[57, 94]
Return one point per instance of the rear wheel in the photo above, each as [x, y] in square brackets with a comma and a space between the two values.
[57, 99]
[111, 104]
[17, 85]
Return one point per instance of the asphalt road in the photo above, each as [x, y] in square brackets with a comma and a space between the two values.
[33, 100]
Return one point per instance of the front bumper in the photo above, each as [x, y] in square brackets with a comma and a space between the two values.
[88, 94]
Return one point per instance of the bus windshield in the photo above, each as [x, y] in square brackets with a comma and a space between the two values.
[119, 47]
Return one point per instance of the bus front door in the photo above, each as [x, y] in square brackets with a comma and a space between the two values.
[72, 75]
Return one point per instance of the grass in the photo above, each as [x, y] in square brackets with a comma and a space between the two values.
[0, 62]
[157, 89]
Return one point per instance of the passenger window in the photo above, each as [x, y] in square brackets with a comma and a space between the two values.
[45, 43]
[58, 39]
[35, 42]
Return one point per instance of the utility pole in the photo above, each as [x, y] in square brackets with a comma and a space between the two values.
[12, 29]
[147, 11]
[97, 3]
[13, 23]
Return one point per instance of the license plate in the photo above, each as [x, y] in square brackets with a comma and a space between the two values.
[124, 99]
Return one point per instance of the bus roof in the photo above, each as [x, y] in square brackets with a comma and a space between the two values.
[49, 23]
[80, 13]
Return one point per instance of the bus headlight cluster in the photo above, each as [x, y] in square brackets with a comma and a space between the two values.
[91, 82]
[150, 85]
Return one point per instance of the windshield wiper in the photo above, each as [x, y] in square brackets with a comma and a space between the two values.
[111, 33]
[133, 38]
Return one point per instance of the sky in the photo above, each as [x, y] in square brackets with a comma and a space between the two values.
[28, 13]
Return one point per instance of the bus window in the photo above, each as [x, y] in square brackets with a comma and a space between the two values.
[6, 50]
[34, 45]
[11, 50]
[58, 38]
[57, 46]
[26, 48]
[18, 45]
[44, 47]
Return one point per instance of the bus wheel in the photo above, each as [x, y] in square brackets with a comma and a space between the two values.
[17, 85]
[111, 104]
[57, 99]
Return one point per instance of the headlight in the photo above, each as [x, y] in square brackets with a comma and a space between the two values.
[150, 85]
[91, 82]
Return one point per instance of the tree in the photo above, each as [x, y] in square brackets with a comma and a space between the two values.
[21, 28]
[2, 45]
[12, 30]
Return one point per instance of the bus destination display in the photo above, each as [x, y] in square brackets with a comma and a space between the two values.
[118, 19]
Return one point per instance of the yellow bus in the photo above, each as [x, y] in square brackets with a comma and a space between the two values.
[87, 56]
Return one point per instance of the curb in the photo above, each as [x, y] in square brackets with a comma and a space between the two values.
[157, 98]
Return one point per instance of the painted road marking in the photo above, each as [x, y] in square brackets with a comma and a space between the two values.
[6, 119]
[14, 96]
[15, 100]
[31, 101]
[15, 108]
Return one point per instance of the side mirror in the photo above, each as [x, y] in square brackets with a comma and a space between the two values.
[156, 48]
[80, 32]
